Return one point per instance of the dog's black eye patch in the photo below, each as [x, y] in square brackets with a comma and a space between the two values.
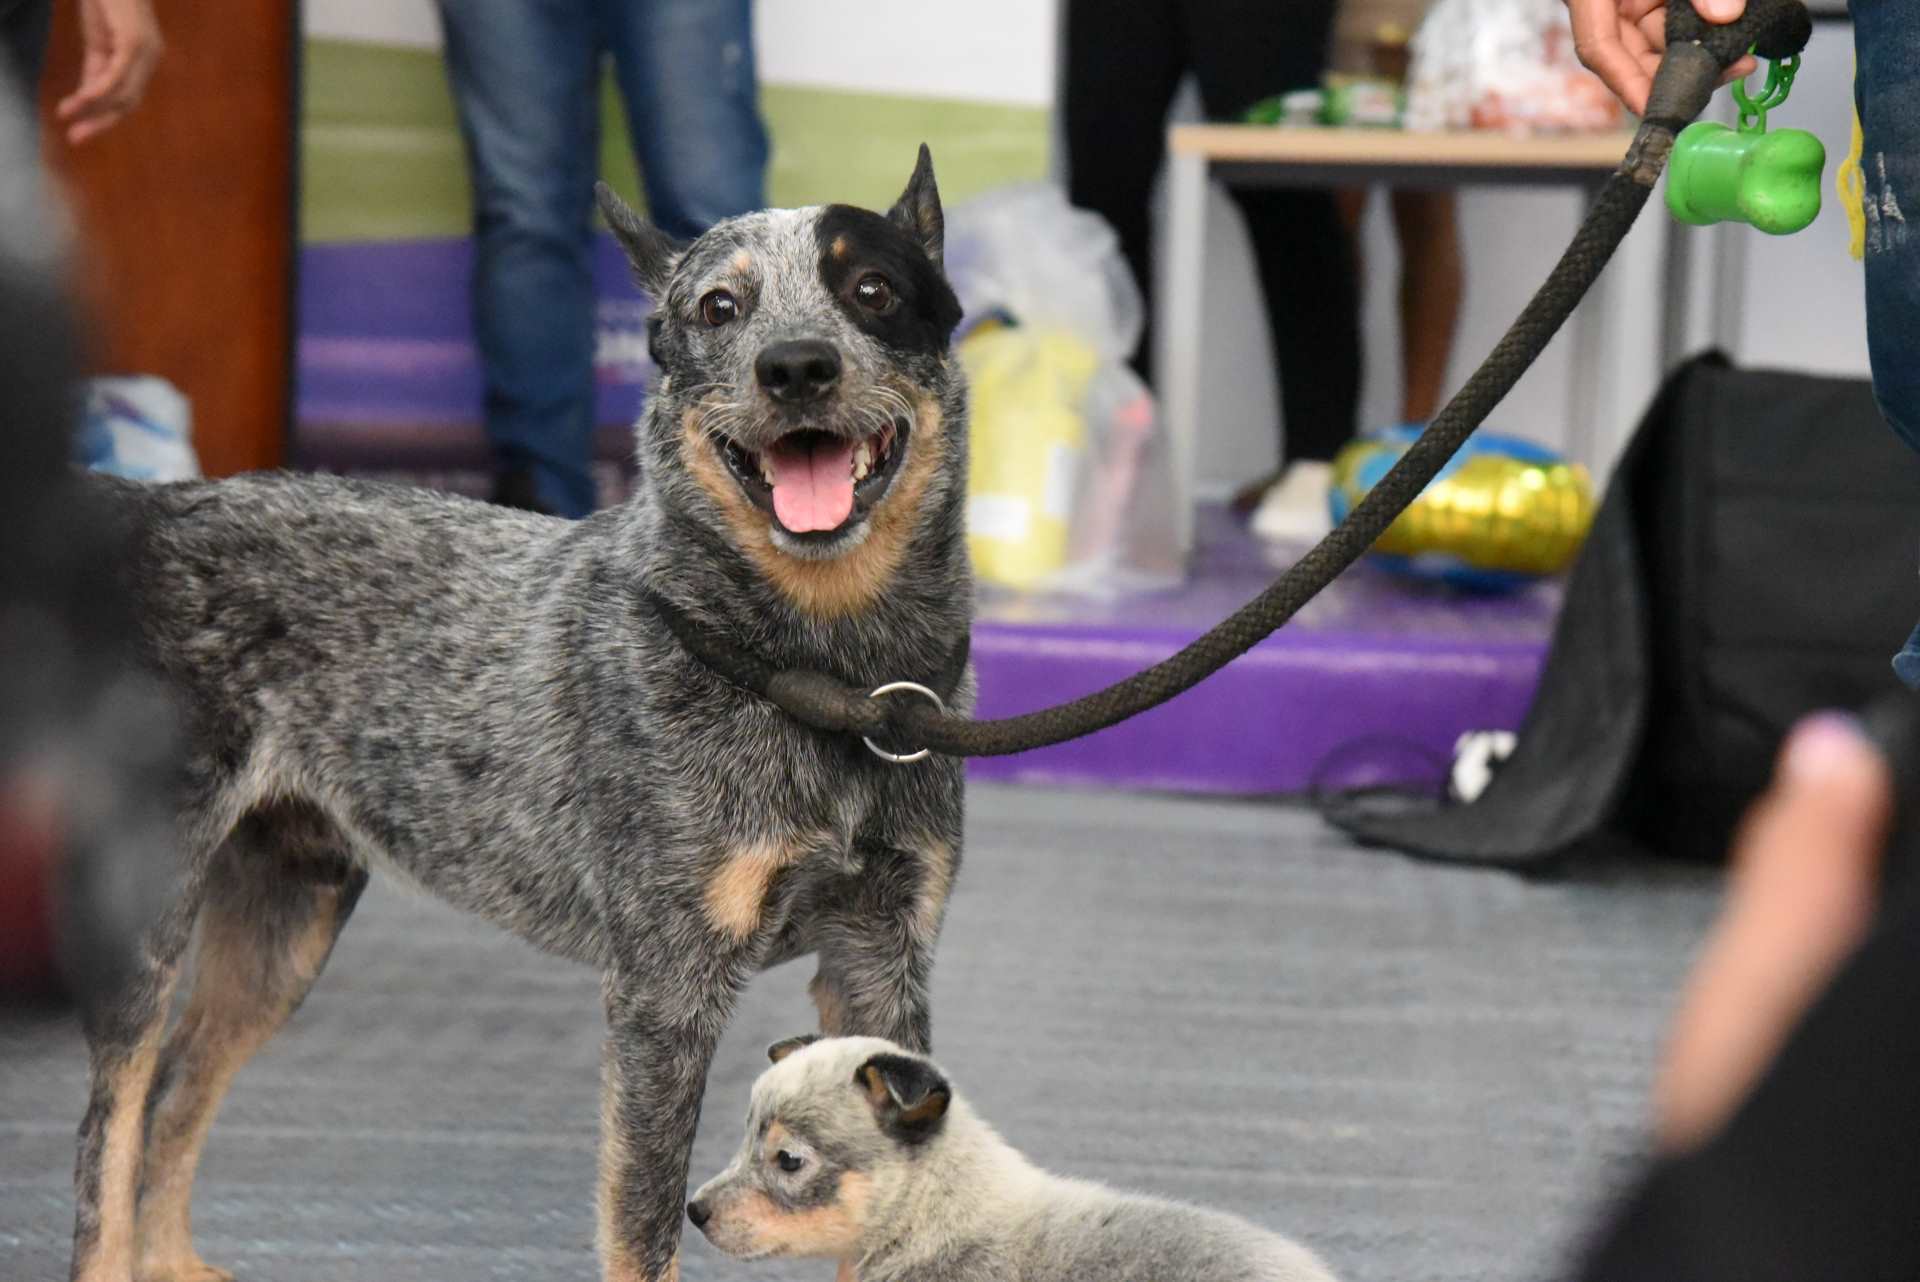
[857, 244]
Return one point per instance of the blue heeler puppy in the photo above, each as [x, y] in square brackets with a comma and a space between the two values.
[859, 1150]
[486, 703]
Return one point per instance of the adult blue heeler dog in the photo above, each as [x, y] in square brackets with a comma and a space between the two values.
[489, 704]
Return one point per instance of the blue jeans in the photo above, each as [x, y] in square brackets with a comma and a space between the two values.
[526, 79]
[1886, 35]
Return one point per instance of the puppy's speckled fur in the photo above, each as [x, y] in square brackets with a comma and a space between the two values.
[478, 701]
[859, 1150]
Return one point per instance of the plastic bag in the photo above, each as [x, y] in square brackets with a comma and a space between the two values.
[140, 428]
[1024, 252]
[1071, 485]
[1506, 65]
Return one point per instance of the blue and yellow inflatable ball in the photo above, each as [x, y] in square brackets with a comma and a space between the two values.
[1502, 513]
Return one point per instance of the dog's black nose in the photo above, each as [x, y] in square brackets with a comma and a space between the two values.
[800, 369]
[698, 1214]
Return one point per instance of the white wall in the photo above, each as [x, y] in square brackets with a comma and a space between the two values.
[984, 50]
[981, 50]
[411, 23]
[1803, 307]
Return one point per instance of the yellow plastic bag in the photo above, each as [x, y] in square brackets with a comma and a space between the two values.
[1028, 448]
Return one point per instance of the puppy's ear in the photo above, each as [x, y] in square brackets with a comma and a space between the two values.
[651, 251]
[918, 210]
[908, 1095]
[781, 1049]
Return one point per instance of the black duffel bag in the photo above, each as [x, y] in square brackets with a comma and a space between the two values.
[1754, 560]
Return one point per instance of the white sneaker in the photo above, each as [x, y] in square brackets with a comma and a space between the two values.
[1294, 510]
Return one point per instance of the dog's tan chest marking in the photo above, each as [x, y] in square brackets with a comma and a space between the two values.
[846, 584]
[736, 893]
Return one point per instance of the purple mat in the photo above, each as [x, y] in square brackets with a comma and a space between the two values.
[385, 339]
[1370, 684]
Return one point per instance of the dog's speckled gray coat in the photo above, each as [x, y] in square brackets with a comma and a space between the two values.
[480, 701]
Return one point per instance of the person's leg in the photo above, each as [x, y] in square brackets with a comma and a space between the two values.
[524, 78]
[1124, 61]
[23, 42]
[1242, 51]
[1432, 280]
[1886, 37]
[1351, 204]
[1887, 92]
[686, 73]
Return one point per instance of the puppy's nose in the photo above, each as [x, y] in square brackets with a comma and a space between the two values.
[798, 370]
[698, 1214]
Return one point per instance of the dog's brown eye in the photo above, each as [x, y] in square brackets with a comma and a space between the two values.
[789, 1162]
[719, 307]
[874, 293]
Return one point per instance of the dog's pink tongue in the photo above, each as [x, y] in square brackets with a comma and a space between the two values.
[812, 484]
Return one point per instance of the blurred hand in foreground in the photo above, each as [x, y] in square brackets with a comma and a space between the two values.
[1801, 893]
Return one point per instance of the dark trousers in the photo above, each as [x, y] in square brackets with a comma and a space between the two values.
[1125, 59]
[23, 41]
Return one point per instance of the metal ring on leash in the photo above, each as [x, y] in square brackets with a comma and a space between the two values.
[902, 759]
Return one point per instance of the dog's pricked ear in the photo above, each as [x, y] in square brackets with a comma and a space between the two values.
[918, 209]
[908, 1095]
[787, 1046]
[651, 251]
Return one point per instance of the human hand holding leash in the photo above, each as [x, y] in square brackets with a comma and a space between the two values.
[1802, 892]
[1621, 42]
[123, 45]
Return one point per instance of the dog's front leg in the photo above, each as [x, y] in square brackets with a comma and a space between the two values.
[876, 945]
[661, 1032]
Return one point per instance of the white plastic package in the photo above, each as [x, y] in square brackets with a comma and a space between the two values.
[1071, 486]
[1506, 65]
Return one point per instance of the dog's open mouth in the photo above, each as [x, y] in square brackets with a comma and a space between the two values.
[816, 482]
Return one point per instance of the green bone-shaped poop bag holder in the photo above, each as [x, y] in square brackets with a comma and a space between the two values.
[1770, 181]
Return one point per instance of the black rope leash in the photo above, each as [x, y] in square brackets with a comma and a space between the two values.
[1697, 54]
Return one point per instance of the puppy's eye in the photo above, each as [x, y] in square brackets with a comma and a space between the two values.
[718, 308]
[789, 1162]
[874, 293]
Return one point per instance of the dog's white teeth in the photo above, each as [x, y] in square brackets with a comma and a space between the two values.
[862, 461]
[766, 472]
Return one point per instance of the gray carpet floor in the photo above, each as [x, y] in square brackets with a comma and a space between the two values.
[1428, 1074]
